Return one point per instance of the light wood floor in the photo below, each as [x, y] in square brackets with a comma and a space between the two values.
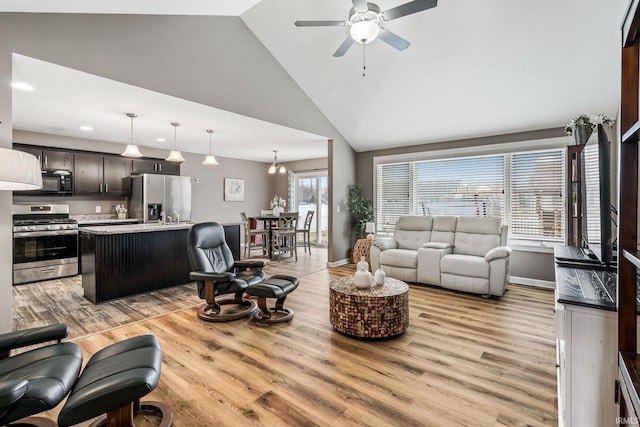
[463, 360]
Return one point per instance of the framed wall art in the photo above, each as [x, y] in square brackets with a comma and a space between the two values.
[233, 190]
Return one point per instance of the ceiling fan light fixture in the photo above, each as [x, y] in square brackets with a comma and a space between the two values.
[175, 155]
[132, 149]
[364, 31]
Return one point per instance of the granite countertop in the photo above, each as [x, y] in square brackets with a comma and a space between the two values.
[140, 228]
[134, 228]
[107, 221]
[586, 287]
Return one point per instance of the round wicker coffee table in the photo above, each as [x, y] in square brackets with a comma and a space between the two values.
[376, 312]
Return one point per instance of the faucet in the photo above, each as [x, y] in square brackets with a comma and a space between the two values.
[169, 219]
[177, 216]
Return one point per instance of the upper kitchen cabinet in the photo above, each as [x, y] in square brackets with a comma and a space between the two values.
[164, 167]
[49, 158]
[97, 174]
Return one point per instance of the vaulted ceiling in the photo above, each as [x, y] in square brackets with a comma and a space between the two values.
[474, 68]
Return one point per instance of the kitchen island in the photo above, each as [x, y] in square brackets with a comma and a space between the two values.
[123, 260]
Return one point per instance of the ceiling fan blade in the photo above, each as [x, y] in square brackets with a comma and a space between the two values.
[360, 5]
[393, 39]
[408, 9]
[346, 44]
[320, 23]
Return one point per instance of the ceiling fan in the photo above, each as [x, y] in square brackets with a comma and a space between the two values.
[366, 20]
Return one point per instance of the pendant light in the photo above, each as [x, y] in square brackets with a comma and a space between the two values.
[19, 170]
[210, 160]
[276, 167]
[175, 155]
[132, 149]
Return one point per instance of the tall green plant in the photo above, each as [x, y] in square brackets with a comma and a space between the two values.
[361, 210]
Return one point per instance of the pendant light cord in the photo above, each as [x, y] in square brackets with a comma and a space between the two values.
[364, 65]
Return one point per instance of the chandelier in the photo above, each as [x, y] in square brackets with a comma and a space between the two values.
[276, 166]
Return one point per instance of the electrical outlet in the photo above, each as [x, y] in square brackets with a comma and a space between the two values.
[98, 209]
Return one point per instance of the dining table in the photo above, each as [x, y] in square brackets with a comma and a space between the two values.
[270, 223]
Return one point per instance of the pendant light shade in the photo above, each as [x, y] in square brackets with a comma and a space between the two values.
[276, 167]
[210, 160]
[132, 149]
[175, 155]
[19, 170]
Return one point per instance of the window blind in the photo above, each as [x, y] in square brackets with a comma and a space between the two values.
[537, 195]
[477, 186]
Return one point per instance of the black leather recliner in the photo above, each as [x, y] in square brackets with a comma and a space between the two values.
[216, 274]
[36, 380]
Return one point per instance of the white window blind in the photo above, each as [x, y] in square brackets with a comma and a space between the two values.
[476, 186]
[393, 194]
[466, 186]
[537, 195]
[591, 198]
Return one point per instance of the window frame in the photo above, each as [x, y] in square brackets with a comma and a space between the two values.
[506, 149]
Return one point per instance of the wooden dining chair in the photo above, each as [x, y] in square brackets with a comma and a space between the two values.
[285, 236]
[306, 230]
[254, 238]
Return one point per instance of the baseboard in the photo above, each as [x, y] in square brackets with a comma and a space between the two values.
[338, 263]
[532, 282]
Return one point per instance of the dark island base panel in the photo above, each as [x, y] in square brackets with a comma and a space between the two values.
[119, 265]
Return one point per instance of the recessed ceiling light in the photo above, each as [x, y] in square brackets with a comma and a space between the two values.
[87, 128]
[160, 139]
[22, 86]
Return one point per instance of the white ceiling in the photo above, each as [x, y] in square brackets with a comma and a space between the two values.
[474, 68]
[65, 99]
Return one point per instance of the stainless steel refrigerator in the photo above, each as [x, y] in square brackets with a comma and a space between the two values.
[158, 198]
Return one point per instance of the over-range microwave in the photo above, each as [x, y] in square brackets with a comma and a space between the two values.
[57, 181]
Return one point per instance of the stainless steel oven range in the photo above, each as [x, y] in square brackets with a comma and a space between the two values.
[45, 243]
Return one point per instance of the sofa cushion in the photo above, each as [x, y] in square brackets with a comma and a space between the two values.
[477, 235]
[415, 223]
[464, 265]
[403, 258]
[444, 228]
[475, 244]
[411, 239]
[479, 225]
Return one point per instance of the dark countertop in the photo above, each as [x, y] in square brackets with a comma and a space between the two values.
[586, 287]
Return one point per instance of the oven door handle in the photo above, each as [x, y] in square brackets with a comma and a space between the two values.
[45, 233]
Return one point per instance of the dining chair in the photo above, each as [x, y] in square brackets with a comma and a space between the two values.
[285, 236]
[254, 238]
[305, 230]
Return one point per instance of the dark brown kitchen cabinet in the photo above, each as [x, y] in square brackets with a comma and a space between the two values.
[97, 174]
[140, 166]
[50, 158]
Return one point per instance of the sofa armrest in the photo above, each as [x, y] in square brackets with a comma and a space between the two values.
[496, 253]
[384, 244]
[437, 245]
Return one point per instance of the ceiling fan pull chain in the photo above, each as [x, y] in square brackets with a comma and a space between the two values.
[364, 65]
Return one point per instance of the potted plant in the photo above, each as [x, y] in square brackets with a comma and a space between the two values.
[582, 126]
[361, 210]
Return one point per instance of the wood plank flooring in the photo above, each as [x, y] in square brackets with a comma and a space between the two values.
[463, 361]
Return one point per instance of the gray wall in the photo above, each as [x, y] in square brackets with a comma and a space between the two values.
[215, 61]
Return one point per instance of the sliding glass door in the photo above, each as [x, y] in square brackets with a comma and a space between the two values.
[312, 193]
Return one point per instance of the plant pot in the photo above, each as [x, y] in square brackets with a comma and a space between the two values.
[581, 134]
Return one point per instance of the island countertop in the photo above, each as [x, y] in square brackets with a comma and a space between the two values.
[134, 228]
[141, 228]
